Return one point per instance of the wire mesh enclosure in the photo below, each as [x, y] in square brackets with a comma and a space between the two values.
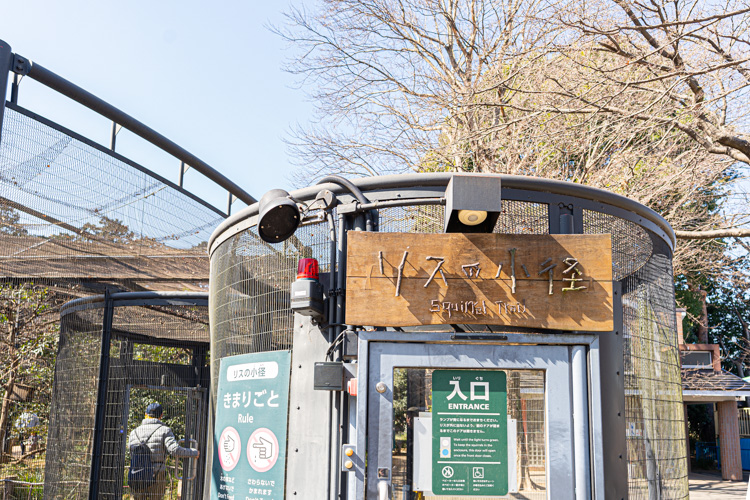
[117, 354]
[78, 218]
[250, 283]
[70, 208]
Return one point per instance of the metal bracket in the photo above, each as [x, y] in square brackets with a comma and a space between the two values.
[349, 458]
[20, 65]
[327, 199]
[348, 208]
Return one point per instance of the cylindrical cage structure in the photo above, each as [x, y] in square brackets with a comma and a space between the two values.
[117, 354]
[641, 389]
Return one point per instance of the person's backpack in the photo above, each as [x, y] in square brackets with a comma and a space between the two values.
[141, 473]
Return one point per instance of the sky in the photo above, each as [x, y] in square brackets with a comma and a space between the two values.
[207, 75]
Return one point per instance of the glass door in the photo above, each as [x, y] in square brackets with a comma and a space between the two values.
[472, 421]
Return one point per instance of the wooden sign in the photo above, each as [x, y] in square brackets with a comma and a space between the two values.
[561, 282]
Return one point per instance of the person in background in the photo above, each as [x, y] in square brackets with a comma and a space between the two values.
[160, 441]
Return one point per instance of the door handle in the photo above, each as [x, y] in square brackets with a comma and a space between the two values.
[192, 464]
[384, 490]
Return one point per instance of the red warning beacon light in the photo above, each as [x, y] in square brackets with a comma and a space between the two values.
[306, 292]
[307, 269]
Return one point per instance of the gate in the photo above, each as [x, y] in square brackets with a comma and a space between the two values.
[116, 354]
[546, 423]
[185, 413]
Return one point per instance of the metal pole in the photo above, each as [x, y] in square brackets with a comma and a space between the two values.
[612, 374]
[198, 362]
[182, 173]
[6, 62]
[101, 398]
[332, 300]
[334, 486]
[579, 385]
[14, 88]
[581, 423]
[113, 136]
[230, 199]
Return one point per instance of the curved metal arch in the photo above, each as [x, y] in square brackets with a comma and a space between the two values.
[24, 66]
[409, 187]
[124, 299]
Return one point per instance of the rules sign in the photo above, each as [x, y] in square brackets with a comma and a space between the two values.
[469, 433]
[250, 430]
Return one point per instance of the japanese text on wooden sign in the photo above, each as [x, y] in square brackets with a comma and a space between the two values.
[561, 282]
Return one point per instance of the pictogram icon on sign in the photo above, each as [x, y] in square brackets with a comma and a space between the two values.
[447, 472]
[230, 448]
[445, 447]
[262, 449]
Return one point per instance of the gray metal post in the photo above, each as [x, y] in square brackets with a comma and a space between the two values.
[567, 225]
[6, 62]
[182, 175]
[14, 88]
[101, 398]
[230, 199]
[198, 362]
[113, 136]
[612, 363]
[309, 435]
[581, 422]
[579, 381]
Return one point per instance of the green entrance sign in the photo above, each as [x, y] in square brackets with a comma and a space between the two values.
[469, 433]
[250, 429]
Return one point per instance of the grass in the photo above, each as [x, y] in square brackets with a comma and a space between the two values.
[27, 471]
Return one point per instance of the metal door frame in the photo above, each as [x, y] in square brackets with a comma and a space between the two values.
[200, 395]
[579, 358]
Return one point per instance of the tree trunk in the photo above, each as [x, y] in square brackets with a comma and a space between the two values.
[745, 327]
[5, 410]
[703, 320]
[745, 343]
[740, 367]
[5, 414]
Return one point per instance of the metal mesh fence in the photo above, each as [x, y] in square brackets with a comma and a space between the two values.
[28, 342]
[246, 288]
[250, 286]
[71, 209]
[657, 466]
[76, 218]
[520, 217]
[71, 428]
[157, 353]
[653, 411]
[631, 244]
